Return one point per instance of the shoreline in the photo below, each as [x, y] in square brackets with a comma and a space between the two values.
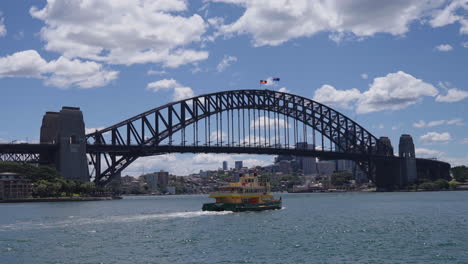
[64, 199]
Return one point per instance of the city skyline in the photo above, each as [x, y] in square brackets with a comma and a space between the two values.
[393, 74]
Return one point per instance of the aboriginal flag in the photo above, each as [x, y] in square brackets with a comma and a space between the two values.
[263, 82]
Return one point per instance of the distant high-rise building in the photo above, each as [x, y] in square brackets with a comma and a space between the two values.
[326, 168]
[225, 165]
[152, 180]
[238, 164]
[306, 164]
[163, 179]
[157, 180]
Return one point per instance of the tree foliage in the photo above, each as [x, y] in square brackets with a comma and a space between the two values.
[341, 178]
[47, 181]
[460, 173]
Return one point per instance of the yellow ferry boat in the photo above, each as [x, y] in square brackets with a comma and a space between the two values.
[250, 193]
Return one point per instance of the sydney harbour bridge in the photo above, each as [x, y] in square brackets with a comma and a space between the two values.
[238, 121]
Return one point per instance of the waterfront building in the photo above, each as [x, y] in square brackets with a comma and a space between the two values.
[151, 180]
[285, 166]
[225, 165]
[130, 184]
[170, 190]
[14, 185]
[163, 179]
[238, 164]
[157, 180]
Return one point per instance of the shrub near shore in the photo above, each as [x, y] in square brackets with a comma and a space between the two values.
[47, 181]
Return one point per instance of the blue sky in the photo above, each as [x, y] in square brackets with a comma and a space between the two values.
[395, 66]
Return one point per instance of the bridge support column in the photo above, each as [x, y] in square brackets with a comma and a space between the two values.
[66, 129]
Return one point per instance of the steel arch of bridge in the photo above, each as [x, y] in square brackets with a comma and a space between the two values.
[119, 145]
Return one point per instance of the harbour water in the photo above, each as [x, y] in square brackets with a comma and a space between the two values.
[425, 227]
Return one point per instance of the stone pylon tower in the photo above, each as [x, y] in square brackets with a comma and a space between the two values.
[407, 152]
[66, 129]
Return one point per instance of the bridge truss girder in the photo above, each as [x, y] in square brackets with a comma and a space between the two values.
[151, 128]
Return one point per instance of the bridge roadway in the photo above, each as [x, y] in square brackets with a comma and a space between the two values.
[148, 150]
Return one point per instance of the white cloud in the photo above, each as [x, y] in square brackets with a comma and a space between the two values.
[90, 130]
[275, 22]
[444, 47]
[364, 76]
[434, 137]
[225, 62]
[449, 15]
[60, 73]
[455, 121]
[465, 44]
[155, 72]
[428, 153]
[180, 92]
[464, 141]
[327, 94]
[453, 95]
[393, 92]
[261, 121]
[192, 163]
[422, 123]
[122, 32]
[3, 30]
[284, 90]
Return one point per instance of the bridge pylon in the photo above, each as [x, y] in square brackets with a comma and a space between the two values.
[66, 129]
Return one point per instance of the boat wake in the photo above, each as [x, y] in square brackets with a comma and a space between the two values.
[78, 221]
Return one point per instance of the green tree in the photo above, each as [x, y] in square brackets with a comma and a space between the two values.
[460, 173]
[442, 184]
[428, 186]
[87, 188]
[341, 178]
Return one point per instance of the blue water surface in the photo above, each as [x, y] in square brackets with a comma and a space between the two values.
[423, 227]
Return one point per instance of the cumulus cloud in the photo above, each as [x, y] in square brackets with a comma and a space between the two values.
[275, 22]
[327, 94]
[465, 44]
[444, 47]
[364, 76]
[453, 95]
[62, 73]
[192, 163]
[434, 137]
[122, 32]
[392, 92]
[422, 123]
[450, 14]
[428, 153]
[180, 92]
[3, 30]
[225, 62]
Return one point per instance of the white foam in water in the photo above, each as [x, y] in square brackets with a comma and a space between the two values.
[74, 221]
